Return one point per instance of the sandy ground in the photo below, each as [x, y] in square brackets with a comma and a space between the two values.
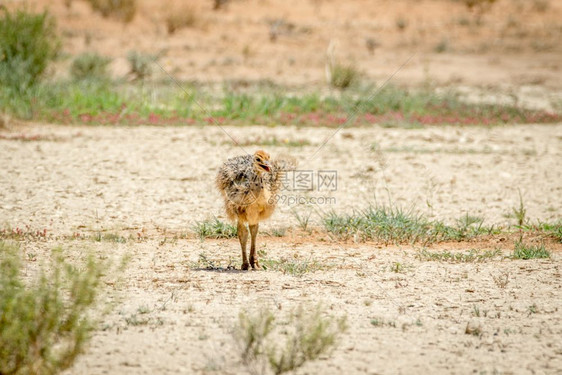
[81, 179]
[184, 316]
[171, 317]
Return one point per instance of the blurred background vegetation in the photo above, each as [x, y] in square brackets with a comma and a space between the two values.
[135, 62]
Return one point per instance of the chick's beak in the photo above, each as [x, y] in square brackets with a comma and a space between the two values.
[266, 165]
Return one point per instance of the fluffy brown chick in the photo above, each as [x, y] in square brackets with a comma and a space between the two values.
[249, 185]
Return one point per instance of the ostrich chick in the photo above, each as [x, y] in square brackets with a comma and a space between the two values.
[249, 185]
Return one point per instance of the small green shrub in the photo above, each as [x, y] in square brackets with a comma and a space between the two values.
[140, 64]
[123, 10]
[90, 66]
[28, 42]
[252, 331]
[313, 335]
[44, 323]
[342, 76]
[306, 334]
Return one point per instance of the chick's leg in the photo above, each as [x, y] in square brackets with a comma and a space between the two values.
[243, 237]
[253, 257]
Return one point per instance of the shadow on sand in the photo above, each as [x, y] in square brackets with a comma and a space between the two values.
[228, 269]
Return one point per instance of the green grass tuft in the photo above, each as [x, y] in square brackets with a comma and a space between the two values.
[553, 229]
[525, 251]
[294, 267]
[278, 232]
[519, 213]
[109, 237]
[381, 322]
[394, 224]
[472, 256]
[303, 219]
[214, 228]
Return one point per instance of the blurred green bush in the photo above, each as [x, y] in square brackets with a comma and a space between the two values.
[28, 42]
[90, 66]
[44, 322]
